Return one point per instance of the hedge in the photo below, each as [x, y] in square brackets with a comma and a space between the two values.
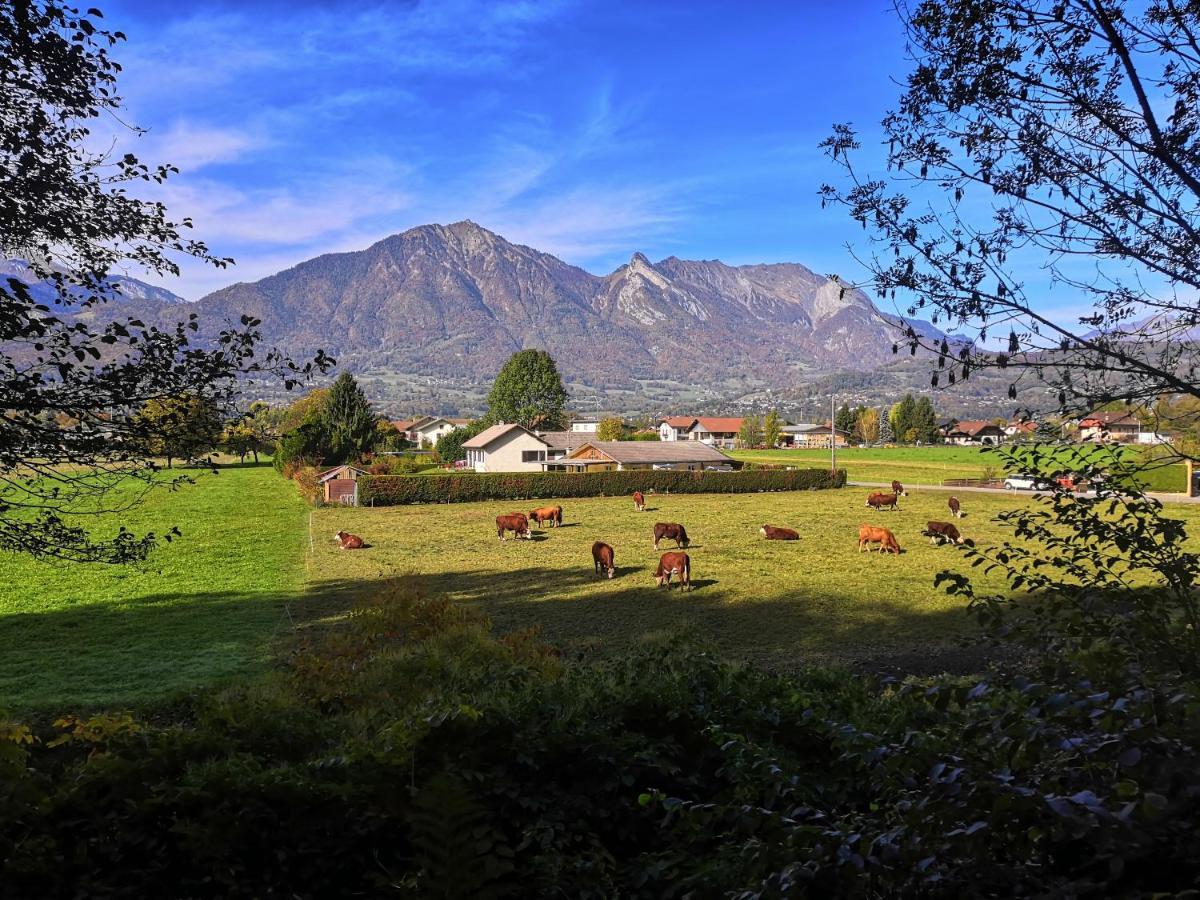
[389, 490]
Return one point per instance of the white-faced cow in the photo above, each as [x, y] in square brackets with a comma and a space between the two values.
[674, 564]
[672, 530]
[955, 507]
[602, 556]
[898, 489]
[639, 501]
[941, 532]
[517, 523]
[348, 541]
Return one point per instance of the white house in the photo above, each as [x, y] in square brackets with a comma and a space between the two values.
[423, 430]
[507, 448]
[715, 431]
[588, 426]
[675, 428]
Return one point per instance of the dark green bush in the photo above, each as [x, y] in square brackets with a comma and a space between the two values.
[389, 491]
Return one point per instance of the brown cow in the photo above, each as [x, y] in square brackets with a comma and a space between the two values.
[955, 508]
[639, 502]
[869, 534]
[516, 523]
[878, 501]
[672, 530]
[771, 533]
[348, 541]
[551, 514]
[674, 564]
[938, 532]
[898, 489]
[602, 556]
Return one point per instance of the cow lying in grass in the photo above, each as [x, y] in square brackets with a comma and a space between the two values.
[869, 534]
[771, 533]
[676, 564]
[672, 530]
[551, 514]
[516, 523]
[348, 541]
[602, 556]
[941, 532]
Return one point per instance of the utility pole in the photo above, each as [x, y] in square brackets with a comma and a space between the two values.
[832, 437]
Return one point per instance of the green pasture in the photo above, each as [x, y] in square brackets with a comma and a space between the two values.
[930, 465]
[201, 610]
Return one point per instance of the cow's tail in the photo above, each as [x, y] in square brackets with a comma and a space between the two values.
[687, 572]
[558, 516]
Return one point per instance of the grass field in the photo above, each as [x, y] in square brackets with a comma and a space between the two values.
[777, 603]
[202, 609]
[924, 465]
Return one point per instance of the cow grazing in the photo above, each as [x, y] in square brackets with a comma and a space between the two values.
[674, 564]
[940, 532]
[771, 533]
[869, 534]
[551, 514]
[672, 530]
[348, 541]
[898, 489]
[517, 523]
[955, 508]
[879, 501]
[602, 556]
[639, 502]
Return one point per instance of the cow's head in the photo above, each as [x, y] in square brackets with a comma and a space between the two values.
[612, 570]
[338, 535]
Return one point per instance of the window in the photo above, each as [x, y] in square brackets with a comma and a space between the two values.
[529, 456]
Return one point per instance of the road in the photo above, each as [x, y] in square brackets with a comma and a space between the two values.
[1162, 498]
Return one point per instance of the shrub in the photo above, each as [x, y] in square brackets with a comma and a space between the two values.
[393, 490]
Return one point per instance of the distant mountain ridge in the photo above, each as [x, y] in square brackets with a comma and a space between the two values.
[123, 287]
[454, 301]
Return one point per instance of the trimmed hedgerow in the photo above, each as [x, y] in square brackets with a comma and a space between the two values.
[391, 490]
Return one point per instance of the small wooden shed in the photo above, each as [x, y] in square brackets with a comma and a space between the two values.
[340, 484]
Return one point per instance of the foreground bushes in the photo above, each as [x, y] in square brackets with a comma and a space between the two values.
[388, 491]
[412, 753]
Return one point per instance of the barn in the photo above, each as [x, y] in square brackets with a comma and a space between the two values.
[603, 456]
[340, 484]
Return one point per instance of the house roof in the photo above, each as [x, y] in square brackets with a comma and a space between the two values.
[481, 440]
[564, 440]
[972, 427]
[1029, 427]
[718, 424]
[407, 424]
[1110, 418]
[823, 428]
[427, 421]
[332, 473]
[655, 451]
[679, 421]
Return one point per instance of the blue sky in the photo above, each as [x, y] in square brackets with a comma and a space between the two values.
[588, 130]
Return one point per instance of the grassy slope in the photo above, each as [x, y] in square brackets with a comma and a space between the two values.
[777, 603]
[203, 609]
[924, 465]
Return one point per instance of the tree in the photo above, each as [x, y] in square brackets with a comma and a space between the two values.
[528, 391]
[772, 429]
[924, 420]
[610, 428]
[181, 427]
[449, 445]
[1043, 135]
[305, 410]
[237, 439]
[751, 432]
[265, 424]
[844, 419]
[901, 417]
[67, 210]
[349, 421]
[868, 425]
[886, 435]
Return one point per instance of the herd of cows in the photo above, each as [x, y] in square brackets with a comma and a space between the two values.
[677, 564]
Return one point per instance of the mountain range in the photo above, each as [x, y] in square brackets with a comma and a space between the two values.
[446, 305]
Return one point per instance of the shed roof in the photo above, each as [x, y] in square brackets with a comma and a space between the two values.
[565, 440]
[333, 473]
[680, 421]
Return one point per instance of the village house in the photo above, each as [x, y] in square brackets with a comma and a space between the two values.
[975, 432]
[675, 428]
[507, 448]
[425, 430]
[1020, 429]
[809, 435]
[715, 431]
[1114, 427]
[603, 456]
[585, 425]
[563, 442]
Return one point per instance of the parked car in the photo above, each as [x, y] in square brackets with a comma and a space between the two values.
[1026, 483]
